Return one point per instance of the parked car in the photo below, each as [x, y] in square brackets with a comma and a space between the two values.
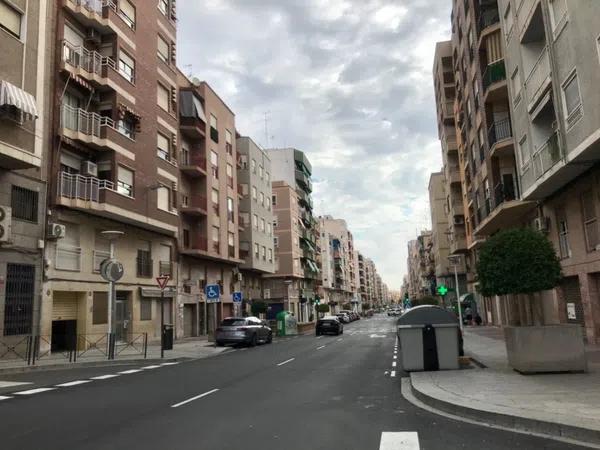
[243, 330]
[329, 324]
[349, 313]
[394, 312]
[344, 318]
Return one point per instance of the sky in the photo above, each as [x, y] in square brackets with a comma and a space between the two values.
[349, 82]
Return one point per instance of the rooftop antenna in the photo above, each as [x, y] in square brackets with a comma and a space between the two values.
[189, 68]
[267, 128]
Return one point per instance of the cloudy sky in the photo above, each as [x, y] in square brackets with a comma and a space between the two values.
[347, 81]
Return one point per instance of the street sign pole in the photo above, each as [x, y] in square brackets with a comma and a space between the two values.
[215, 323]
[162, 323]
[460, 321]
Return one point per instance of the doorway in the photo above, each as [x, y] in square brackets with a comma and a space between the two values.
[64, 335]
[122, 316]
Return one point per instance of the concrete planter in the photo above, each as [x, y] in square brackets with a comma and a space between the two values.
[548, 348]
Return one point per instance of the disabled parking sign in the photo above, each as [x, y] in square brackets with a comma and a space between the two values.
[213, 293]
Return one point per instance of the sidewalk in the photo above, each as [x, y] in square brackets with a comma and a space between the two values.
[561, 405]
[190, 348]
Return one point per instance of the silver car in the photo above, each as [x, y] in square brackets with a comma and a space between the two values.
[243, 330]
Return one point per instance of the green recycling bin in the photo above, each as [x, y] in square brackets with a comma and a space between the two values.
[287, 325]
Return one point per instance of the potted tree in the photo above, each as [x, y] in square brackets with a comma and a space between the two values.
[523, 263]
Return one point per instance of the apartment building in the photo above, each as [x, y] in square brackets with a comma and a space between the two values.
[370, 273]
[209, 204]
[362, 279]
[293, 168]
[256, 217]
[24, 127]
[552, 61]
[421, 266]
[114, 102]
[439, 229]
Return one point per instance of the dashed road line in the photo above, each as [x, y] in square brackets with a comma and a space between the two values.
[340, 339]
[34, 391]
[8, 384]
[4, 397]
[174, 363]
[286, 361]
[394, 364]
[395, 357]
[73, 383]
[105, 377]
[127, 372]
[177, 405]
[150, 367]
[393, 373]
[322, 346]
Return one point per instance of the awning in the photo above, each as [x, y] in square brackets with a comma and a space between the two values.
[191, 106]
[466, 297]
[156, 293]
[312, 266]
[11, 95]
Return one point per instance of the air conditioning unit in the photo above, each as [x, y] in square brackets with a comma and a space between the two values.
[56, 231]
[459, 220]
[93, 36]
[89, 168]
[239, 276]
[5, 223]
[267, 293]
[541, 224]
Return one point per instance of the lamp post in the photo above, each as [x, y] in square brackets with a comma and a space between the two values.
[455, 261]
[111, 236]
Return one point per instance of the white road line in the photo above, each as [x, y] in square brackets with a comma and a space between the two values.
[7, 384]
[395, 357]
[286, 361]
[105, 377]
[243, 349]
[3, 397]
[393, 373]
[408, 440]
[127, 372]
[34, 391]
[320, 337]
[319, 348]
[394, 364]
[170, 363]
[73, 383]
[340, 339]
[177, 405]
[150, 367]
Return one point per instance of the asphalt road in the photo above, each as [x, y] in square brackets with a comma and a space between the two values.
[301, 393]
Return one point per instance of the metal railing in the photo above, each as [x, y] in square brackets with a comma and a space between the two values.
[86, 122]
[494, 72]
[487, 19]
[503, 193]
[90, 61]
[81, 187]
[499, 130]
[547, 155]
[539, 72]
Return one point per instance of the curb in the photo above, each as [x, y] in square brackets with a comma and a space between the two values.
[523, 424]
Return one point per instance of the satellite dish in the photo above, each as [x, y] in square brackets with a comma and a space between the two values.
[196, 81]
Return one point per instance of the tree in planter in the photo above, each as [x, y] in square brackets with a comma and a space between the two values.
[518, 261]
[323, 308]
[347, 306]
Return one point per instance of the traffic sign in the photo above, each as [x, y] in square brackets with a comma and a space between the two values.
[213, 293]
[237, 297]
[111, 270]
[442, 290]
[162, 281]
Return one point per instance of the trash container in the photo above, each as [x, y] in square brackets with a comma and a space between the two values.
[168, 337]
[429, 338]
[287, 325]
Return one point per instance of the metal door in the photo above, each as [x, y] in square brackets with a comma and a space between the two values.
[122, 317]
[188, 320]
[572, 296]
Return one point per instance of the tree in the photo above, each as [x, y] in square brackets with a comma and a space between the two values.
[346, 306]
[258, 308]
[366, 306]
[426, 300]
[323, 308]
[518, 261]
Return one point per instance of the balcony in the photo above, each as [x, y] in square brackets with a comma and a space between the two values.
[489, 21]
[165, 268]
[452, 174]
[494, 81]
[546, 156]
[94, 130]
[100, 71]
[192, 127]
[507, 211]
[198, 246]
[458, 243]
[538, 81]
[197, 206]
[500, 138]
[304, 199]
[448, 113]
[194, 166]
[302, 162]
[303, 180]
[103, 16]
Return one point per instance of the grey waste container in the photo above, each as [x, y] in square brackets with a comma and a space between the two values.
[168, 337]
[429, 338]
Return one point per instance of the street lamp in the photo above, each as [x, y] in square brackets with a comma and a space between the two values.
[111, 236]
[455, 261]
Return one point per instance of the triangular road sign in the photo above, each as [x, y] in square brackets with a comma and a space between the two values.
[162, 281]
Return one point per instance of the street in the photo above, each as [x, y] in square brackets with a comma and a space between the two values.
[298, 393]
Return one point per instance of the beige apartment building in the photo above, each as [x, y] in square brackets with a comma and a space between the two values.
[24, 127]
[421, 266]
[209, 205]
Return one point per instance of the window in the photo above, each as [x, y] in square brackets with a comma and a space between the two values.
[214, 161]
[524, 151]
[515, 83]
[267, 177]
[18, 301]
[508, 22]
[163, 147]
[214, 130]
[228, 144]
[215, 239]
[254, 193]
[231, 244]
[558, 14]
[270, 255]
[163, 198]
[126, 66]
[274, 200]
[275, 222]
[163, 97]
[260, 172]
[144, 259]
[230, 209]
[275, 241]
[215, 201]
[264, 253]
[268, 203]
[125, 181]
[99, 308]
[269, 229]
[563, 234]
[229, 175]
[262, 198]
[126, 127]
[127, 12]
[590, 221]
[24, 204]
[255, 221]
[253, 166]
[256, 249]
[262, 224]
[572, 99]
[146, 309]
[10, 20]
[163, 50]
[163, 6]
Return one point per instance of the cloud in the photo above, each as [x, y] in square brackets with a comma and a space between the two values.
[347, 81]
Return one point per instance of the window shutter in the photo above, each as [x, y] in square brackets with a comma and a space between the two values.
[173, 98]
[174, 144]
[173, 10]
[173, 53]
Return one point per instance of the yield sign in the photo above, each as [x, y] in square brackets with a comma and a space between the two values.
[162, 281]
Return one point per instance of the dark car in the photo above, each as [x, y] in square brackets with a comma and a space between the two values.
[243, 330]
[329, 324]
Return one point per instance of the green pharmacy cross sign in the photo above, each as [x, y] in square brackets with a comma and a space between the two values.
[442, 290]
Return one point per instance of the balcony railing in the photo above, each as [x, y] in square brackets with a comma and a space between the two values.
[81, 187]
[487, 19]
[499, 130]
[86, 122]
[503, 193]
[231, 251]
[538, 74]
[95, 6]
[165, 268]
[546, 156]
[494, 73]
[90, 61]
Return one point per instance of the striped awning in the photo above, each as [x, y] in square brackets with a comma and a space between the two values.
[11, 95]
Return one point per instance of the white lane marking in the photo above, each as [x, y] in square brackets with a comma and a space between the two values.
[407, 440]
[319, 348]
[127, 372]
[286, 361]
[340, 339]
[3, 397]
[73, 383]
[395, 357]
[150, 367]
[170, 363]
[320, 337]
[177, 405]
[105, 377]
[394, 364]
[393, 373]
[243, 349]
[34, 391]
[7, 384]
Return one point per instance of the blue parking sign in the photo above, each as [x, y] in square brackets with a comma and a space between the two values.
[213, 293]
[237, 297]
